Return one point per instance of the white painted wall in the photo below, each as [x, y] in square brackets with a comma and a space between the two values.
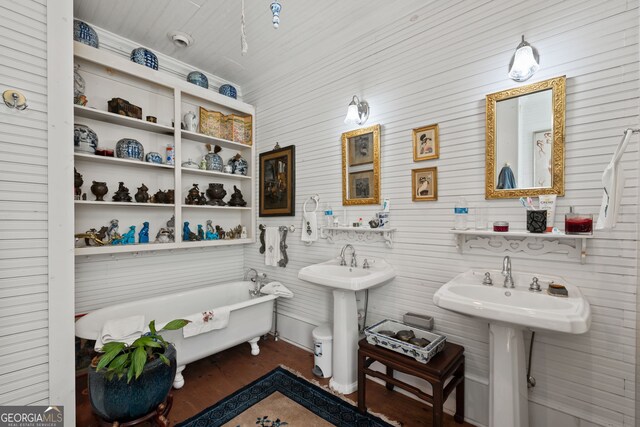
[435, 65]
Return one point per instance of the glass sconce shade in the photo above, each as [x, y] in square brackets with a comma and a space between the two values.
[357, 113]
[524, 63]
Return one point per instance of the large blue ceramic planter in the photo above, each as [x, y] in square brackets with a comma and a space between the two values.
[197, 78]
[83, 33]
[229, 91]
[144, 57]
[115, 400]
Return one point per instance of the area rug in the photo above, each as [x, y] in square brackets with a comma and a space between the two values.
[282, 398]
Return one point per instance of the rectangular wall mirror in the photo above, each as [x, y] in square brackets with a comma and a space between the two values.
[525, 140]
[361, 166]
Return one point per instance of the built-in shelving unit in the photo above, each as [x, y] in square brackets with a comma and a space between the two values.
[360, 234]
[168, 99]
[574, 245]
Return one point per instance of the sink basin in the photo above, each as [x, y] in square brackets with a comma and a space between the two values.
[538, 310]
[331, 273]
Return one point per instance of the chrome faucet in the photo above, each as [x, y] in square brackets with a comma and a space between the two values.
[354, 260]
[259, 281]
[255, 274]
[506, 272]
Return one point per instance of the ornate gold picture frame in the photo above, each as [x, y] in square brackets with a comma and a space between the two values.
[426, 143]
[424, 184]
[361, 170]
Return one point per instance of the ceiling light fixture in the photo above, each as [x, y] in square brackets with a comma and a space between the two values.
[180, 39]
[524, 62]
[357, 113]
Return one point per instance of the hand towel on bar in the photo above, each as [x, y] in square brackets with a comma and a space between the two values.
[277, 289]
[126, 330]
[272, 246]
[613, 182]
[309, 227]
[206, 321]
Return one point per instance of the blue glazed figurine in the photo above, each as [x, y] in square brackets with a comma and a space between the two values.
[199, 79]
[129, 238]
[229, 91]
[200, 232]
[83, 33]
[144, 57]
[143, 236]
[185, 232]
[128, 148]
[85, 140]
[210, 231]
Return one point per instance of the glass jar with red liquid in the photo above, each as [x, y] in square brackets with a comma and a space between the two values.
[575, 223]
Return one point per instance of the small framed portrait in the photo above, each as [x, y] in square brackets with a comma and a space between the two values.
[361, 149]
[361, 185]
[277, 182]
[424, 184]
[426, 145]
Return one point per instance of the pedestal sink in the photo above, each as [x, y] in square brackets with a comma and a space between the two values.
[345, 281]
[509, 311]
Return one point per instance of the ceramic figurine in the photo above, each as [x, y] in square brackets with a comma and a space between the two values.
[142, 196]
[99, 189]
[191, 121]
[85, 140]
[121, 194]
[214, 161]
[236, 198]
[78, 87]
[144, 57]
[186, 232]
[113, 231]
[171, 197]
[143, 235]
[200, 232]
[159, 197]
[193, 196]
[154, 157]
[239, 165]
[197, 78]
[210, 231]
[95, 238]
[77, 183]
[243, 233]
[164, 236]
[171, 224]
[83, 33]
[129, 238]
[203, 164]
[128, 148]
[216, 193]
[229, 91]
[220, 232]
[374, 223]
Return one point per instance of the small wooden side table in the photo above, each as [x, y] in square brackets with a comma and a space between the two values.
[449, 363]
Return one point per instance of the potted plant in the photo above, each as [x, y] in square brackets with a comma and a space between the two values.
[127, 382]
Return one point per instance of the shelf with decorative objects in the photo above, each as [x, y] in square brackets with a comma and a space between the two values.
[573, 245]
[360, 234]
[120, 148]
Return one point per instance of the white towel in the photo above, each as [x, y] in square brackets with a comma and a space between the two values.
[126, 330]
[277, 289]
[206, 321]
[613, 182]
[309, 227]
[272, 246]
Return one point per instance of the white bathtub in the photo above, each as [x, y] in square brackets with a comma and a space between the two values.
[250, 318]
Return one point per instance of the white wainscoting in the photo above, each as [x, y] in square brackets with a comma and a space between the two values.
[437, 67]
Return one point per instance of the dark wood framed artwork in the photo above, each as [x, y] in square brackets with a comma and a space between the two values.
[278, 182]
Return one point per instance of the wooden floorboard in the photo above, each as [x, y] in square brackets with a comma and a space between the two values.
[215, 377]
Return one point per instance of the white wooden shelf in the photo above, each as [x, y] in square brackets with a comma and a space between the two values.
[190, 171]
[115, 249]
[118, 161]
[246, 208]
[360, 234]
[117, 119]
[120, 204]
[573, 245]
[224, 143]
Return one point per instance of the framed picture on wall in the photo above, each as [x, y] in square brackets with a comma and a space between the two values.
[277, 182]
[361, 185]
[361, 149]
[426, 145]
[424, 184]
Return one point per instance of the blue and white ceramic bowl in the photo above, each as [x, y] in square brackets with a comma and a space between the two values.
[83, 33]
[154, 157]
[229, 91]
[85, 140]
[197, 78]
[128, 148]
[144, 57]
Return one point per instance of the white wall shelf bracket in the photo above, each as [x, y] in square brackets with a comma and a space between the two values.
[574, 246]
[358, 234]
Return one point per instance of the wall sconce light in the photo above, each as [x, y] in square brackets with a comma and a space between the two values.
[357, 113]
[524, 62]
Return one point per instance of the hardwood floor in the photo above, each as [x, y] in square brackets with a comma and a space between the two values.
[210, 379]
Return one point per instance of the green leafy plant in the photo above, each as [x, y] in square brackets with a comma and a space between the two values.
[120, 358]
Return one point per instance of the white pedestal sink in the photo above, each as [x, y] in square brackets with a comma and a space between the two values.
[510, 311]
[345, 281]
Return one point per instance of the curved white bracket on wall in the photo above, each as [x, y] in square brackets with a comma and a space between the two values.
[574, 245]
[359, 234]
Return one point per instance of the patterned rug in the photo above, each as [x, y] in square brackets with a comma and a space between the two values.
[282, 398]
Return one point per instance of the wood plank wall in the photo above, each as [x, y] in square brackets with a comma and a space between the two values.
[435, 64]
[24, 368]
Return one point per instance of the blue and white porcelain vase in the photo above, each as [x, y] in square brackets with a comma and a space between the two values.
[144, 57]
[154, 157]
[197, 78]
[85, 140]
[83, 33]
[214, 162]
[128, 148]
[229, 91]
[240, 166]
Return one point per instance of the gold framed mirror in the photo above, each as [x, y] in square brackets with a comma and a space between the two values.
[361, 166]
[525, 140]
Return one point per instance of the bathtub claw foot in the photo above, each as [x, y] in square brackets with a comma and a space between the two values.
[178, 381]
[255, 349]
